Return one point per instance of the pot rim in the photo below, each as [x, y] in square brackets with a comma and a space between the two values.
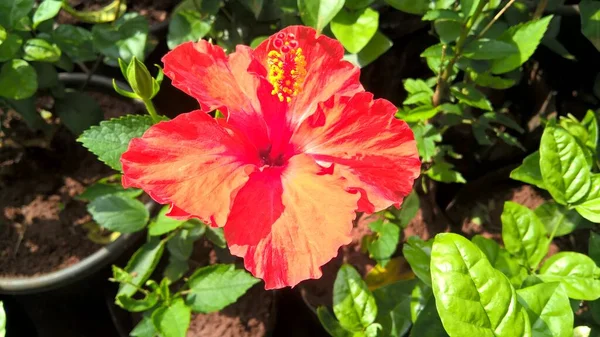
[92, 263]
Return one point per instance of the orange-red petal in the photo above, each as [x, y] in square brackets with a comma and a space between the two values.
[288, 221]
[191, 162]
[366, 144]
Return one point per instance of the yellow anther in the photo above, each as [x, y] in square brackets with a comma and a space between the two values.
[286, 72]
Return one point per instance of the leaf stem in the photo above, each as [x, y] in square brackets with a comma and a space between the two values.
[151, 110]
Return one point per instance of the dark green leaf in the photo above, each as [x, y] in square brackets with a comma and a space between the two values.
[77, 42]
[101, 188]
[10, 44]
[78, 111]
[187, 25]
[448, 30]
[124, 39]
[488, 49]
[410, 6]
[418, 254]
[489, 247]
[18, 80]
[394, 307]
[26, 108]
[119, 213]
[111, 138]
[428, 323]
[490, 81]
[468, 94]
[331, 325]
[590, 21]
[408, 210]
[12, 11]
[46, 74]
[594, 247]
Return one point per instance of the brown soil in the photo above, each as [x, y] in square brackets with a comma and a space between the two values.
[156, 11]
[40, 220]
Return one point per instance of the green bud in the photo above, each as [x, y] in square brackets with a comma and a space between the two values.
[139, 79]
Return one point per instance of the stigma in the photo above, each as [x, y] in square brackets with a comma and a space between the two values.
[287, 67]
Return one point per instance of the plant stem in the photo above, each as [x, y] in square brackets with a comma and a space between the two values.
[496, 17]
[442, 90]
[151, 110]
[539, 10]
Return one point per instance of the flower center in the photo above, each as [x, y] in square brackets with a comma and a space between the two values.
[287, 67]
[268, 158]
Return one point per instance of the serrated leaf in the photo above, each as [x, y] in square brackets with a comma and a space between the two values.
[548, 308]
[525, 37]
[141, 265]
[111, 138]
[524, 234]
[563, 166]
[101, 188]
[318, 14]
[529, 172]
[174, 320]
[473, 298]
[214, 287]
[576, 272]
[489, 49]
[354, 29]
[119, 213]
[163, 224]
[353, 303]
[418, 254]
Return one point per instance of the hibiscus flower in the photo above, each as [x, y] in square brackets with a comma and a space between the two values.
[301, 149]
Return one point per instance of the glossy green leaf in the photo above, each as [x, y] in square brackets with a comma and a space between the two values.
[124, 39]
[444, 172]
[590, 122]
[590, 21]
[548, 308]
[40, 50]
[214, 287]
[187, 25]
[141, 265]
[491, 81]
[408, 210]
[418, 254]
[77, 42]
[590, 206]
[119, 213]
[331, 325]
[472, 297]
[10, 45]
[428, 323]
[489, 49]
[138, 305]
[594, 247]
[420, 113]
[489, 247]
[46, 11]
[12, 11]
[426, 137]
[318, 14]
[468, 94]
[563, 166]
[174, 320]
[558, 219]
[529, 172]
[448, 30]
[510, 267]
[78, 111]
[376, 47]
[525, 37]
[576, 272]
[111, 138]
[353, 303]
[18, 80]
[354, 29]
[101, 188]
[145, 328]
[523, 233]
[410, 6]
[394, 307]
[163, 224]
[385, 242]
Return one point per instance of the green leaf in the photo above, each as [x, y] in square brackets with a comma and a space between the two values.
[468, 7]
[40, 50]
[418, 254]
[145, 328]
[525, 37]
[444, 172]
[214, 287]
[78, 111]
[10, 44]
[468, 94]
[489, 247]
[590, 21]
[46, 11]
[408, 210]
[590, 207]
[331, 325]
[548, 308]
[46, 74]
[118, 213]
[394, 306]
[124, 39]
[488, 49]
[141, 265]
[102, 188]
[428, 323]
[77, 42]
[135, 305]
[503, 119]
[594, 247]
[18, 80]
[12, 11]
[590, 123]
[582, 331]
[563, 165]
[426, 136]
[255, 6]
[510, 267]
[163, 224]
[410, 6]
[216, 236]
[558, 219]
[26, 108]
[181, 245]
[420, 113]
[413, 86]
[2, 320]
[358, 4]
[257, 41]
[376, 47]
[111, 138]
[529, 172]
[473, 298]
[353, 303]
[524, 234]
[187, 25]
[576, 272]
[317, 13]
[386, 240]
[174, 320]
[491, 81]
[448, 30]
[354, 29]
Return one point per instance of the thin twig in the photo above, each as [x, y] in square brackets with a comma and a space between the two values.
[496, 17]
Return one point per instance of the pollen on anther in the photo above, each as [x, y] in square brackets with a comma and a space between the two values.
[286, 65]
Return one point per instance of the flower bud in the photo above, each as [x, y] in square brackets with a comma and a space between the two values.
[139, 79]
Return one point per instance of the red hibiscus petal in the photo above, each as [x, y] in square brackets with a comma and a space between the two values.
[326, 73]
[286, 222]
[191, 162]
[376, 152]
